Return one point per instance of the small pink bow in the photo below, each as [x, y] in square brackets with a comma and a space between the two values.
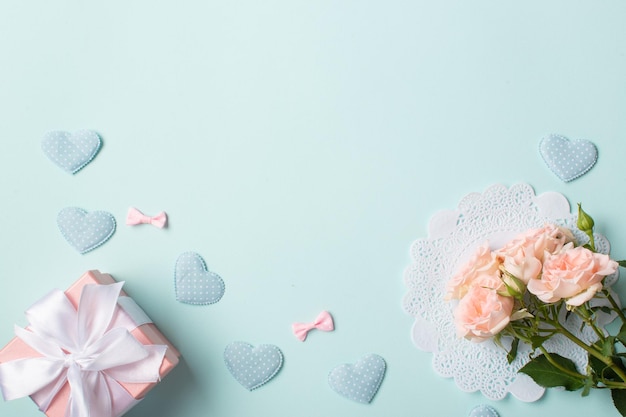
[323, 322]
[134, 217]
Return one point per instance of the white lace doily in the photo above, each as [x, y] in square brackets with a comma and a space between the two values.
[496, 215]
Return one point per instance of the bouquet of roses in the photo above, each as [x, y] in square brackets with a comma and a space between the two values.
[526, 290]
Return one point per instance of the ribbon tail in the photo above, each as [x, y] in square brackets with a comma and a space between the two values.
[24, 377]
[159, 220]
[134, 217]
[98, 399]
[143, 371]
[43, 398]
[101, 396]
[121, 400]
[300, 330]
[79, 402]
[107, 399]
[324, 322]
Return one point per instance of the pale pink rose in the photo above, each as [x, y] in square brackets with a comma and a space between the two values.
[574, 274]
[521, 262]
[550, 238]
[523, 256]
[482, 313]
[481, 269]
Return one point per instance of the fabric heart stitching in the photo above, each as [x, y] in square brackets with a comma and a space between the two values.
[568, 159]
[252, 366]
[360, 381]
[85, 231]
[71, 151]
[194, 283]
[483, 410]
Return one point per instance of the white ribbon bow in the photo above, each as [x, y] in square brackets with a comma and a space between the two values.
[91, 348]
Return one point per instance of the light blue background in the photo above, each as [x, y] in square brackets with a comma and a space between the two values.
[299, 147]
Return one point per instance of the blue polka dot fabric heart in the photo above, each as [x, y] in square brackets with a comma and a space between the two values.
[83, 230]
[483, 410]
[194, 283]
[568, 159]
[252, 366]
[71, 151]
[360, 381]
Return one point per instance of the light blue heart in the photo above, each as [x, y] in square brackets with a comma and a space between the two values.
[252, 366]
[194, 283]
[83, 230]
[360, 381]
[71, 151]
[483, 410]
[568, 159]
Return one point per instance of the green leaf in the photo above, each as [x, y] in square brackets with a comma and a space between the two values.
[603, 371]
[604, 309]
[621, 336]
[608, 348]
[546, 374]
[510, 356]
[587, 388]
[619, 400]
[622, 264]
[596, 365]
[537, 341]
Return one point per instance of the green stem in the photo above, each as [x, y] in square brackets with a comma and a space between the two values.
[585, 315]
[617, 309]
[559, 367]
[581, 344]
[592, 242]
[612, 384]
[519, 336]
[607, 360]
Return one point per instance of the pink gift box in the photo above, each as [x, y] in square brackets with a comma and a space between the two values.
[146, 333]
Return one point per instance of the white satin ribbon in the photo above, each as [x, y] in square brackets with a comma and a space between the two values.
[91, 348]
